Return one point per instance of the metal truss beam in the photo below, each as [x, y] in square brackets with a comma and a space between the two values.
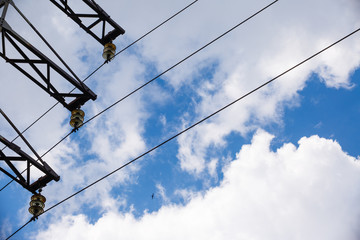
[22, 156]
[98, 15]
[70, 101]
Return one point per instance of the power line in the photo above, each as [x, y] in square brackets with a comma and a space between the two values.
[32, 219]
[126, 97]
[167, 70]
[200, 121]
[183, 60]
[157, 27]
[206, 118]
[98, 68]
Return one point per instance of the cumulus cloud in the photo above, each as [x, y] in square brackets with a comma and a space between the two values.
[266, 46]
[304, 192]
[254, 53]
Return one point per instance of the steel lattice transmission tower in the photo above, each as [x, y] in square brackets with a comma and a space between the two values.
[39, 68]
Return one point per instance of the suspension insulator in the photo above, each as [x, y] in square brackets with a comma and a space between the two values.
[109, 51]
[77, 118]
[37, 204]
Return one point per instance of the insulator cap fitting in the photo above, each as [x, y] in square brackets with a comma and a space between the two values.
[109, 51]
[37, 204]
[77, 118]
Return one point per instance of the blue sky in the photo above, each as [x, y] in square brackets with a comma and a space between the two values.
[282, 163]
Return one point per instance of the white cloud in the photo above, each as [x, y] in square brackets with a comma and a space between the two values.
[162, 120]
[161, 193]
[212, 167]
[304, 192]
[6, 228]
[186, 194]
[258, 51]
[252, 54]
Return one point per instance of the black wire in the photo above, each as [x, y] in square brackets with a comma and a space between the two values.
[97, 69]
[202, 120]
[32, 219]
[155, 146]
[32, 124]
[206, 118]
[157, 27]
[167, 70]
[183, 60]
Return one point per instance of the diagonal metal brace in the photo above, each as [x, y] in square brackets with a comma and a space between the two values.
[50, 174]
[43, 80]
[98, 15]
[44, 167]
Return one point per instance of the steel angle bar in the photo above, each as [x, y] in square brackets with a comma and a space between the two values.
[50, 174]
[43, 80]
[98, 16]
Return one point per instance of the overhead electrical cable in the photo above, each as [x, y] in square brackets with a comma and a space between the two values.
[200, 121]
[92, 73]
[153, 79]
[181, 61]
[98, 68]
[32, 219]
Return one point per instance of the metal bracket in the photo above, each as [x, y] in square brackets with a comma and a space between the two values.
[50, 174]
[98, 15]
[43, 80]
